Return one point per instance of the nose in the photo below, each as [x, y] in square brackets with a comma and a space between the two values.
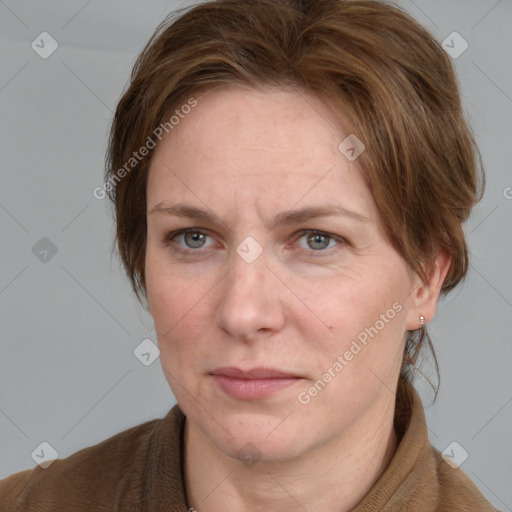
[252, 304]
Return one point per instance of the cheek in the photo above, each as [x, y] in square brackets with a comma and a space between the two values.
[163, 287]
[364, 347]
[361, 314]
[178, 303]
[347, 302]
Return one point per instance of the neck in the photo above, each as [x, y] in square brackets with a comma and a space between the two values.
[320, 479]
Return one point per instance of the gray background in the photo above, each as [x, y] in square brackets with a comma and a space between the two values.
[70, 324]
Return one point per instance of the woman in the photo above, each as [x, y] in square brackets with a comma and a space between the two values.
[290, 181]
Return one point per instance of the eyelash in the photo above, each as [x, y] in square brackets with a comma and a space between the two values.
[318, 253]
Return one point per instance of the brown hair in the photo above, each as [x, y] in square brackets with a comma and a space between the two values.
[390, 80]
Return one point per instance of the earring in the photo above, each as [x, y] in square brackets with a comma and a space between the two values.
[422, 320]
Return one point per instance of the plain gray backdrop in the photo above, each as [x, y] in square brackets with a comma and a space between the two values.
[69, 320]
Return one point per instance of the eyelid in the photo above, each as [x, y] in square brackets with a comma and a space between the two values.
[339, 239]
[173, 234]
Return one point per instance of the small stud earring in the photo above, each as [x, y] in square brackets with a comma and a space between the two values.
[422, 319]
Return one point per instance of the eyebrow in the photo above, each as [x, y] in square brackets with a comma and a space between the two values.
[285, 217]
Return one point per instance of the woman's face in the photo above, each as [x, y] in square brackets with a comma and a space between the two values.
[285, 332]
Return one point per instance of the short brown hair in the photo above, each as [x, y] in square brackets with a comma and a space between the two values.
[390, 80]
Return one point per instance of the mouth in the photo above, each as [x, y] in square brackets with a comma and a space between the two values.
[254, 384]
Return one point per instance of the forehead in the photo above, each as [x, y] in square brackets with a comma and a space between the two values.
[263, 146]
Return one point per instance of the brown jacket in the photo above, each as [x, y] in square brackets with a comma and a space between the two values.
[140, 469]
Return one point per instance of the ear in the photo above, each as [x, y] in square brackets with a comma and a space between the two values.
[425, 296]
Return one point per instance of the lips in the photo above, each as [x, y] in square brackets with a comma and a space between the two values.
[254, 384]
[255, 373]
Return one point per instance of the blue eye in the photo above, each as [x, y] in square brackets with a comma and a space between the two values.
[317, 241]
[195, 240]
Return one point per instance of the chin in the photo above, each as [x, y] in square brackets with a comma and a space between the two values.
[260, 449]
[259, 437]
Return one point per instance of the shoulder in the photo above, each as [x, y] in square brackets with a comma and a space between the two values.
[86, 479]
[428, 481]
[456, 490]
